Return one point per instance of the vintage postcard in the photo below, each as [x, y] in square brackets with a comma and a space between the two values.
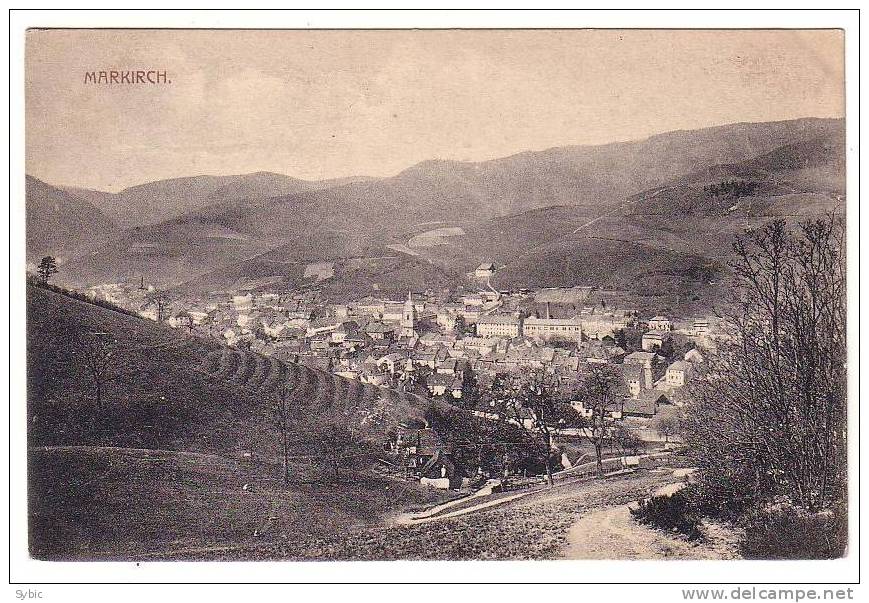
[436, 295]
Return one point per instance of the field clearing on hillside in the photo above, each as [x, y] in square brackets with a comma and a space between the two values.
[435, 237]
[319, 270]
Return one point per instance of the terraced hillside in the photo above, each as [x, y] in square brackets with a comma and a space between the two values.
[265, 376]
[182, 425]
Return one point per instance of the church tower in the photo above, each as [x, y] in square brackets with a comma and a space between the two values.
[408, 318]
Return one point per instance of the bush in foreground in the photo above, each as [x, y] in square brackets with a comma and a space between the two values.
[671, 512]
[784, 531]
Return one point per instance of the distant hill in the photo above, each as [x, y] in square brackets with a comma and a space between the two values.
[61, 224]
[155, 202]
[797, 171]
[670, 243]
[507, 208]
[184, 452]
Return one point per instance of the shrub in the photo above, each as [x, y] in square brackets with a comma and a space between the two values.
[785, 531]
[671, 512]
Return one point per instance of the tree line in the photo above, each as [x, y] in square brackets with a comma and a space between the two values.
[767, 424]
[732, 189]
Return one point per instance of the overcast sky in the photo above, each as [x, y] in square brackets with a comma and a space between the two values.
[329, 104]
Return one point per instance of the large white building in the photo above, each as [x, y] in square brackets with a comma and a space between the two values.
[553, 328]
[499, 326]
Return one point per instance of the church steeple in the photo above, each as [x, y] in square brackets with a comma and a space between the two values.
[408, 318]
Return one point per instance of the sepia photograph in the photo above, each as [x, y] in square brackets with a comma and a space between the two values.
[435, 295]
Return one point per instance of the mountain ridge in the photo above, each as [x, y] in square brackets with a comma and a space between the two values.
[600, 188]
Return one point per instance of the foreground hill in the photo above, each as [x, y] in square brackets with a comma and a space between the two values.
[61, 224]
[184, 424]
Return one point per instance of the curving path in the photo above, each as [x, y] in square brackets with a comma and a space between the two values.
[612, 533]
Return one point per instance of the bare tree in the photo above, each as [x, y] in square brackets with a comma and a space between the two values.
[339, 445]
[601, 391]
[770, 411]
[667, 426]
[532, 402]
[160, 301]
[99, 352]
[282, 422]
[626, 440]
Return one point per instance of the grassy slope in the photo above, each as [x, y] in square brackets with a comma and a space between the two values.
[116, 503]
[534, 527]
[206, 411]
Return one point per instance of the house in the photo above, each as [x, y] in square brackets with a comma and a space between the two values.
[379, 331]
[653, 340]
[320, 344]
[198, 316]
[392, 362]
[499, 326]
[441, 385]
[596, 353]
[473, 300]
[393, 311]
[613, 410]
[485, 271]
[644, 360]
[633, 374]
[437, 340]
[428, 457]
[448, 366]
[242, 302]
[181, 320]
[660, 323]
[345, 330]
[646, 406]
[679, 373]
[483, 345]
[699, 328]
[374, 378]
[320, 327]
[369, 306]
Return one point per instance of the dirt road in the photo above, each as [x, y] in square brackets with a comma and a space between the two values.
[612, 533]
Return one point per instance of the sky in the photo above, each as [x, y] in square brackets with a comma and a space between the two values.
[327, 104]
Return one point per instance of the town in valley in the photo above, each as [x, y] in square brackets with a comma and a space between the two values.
[446, 345]
[436, 295]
